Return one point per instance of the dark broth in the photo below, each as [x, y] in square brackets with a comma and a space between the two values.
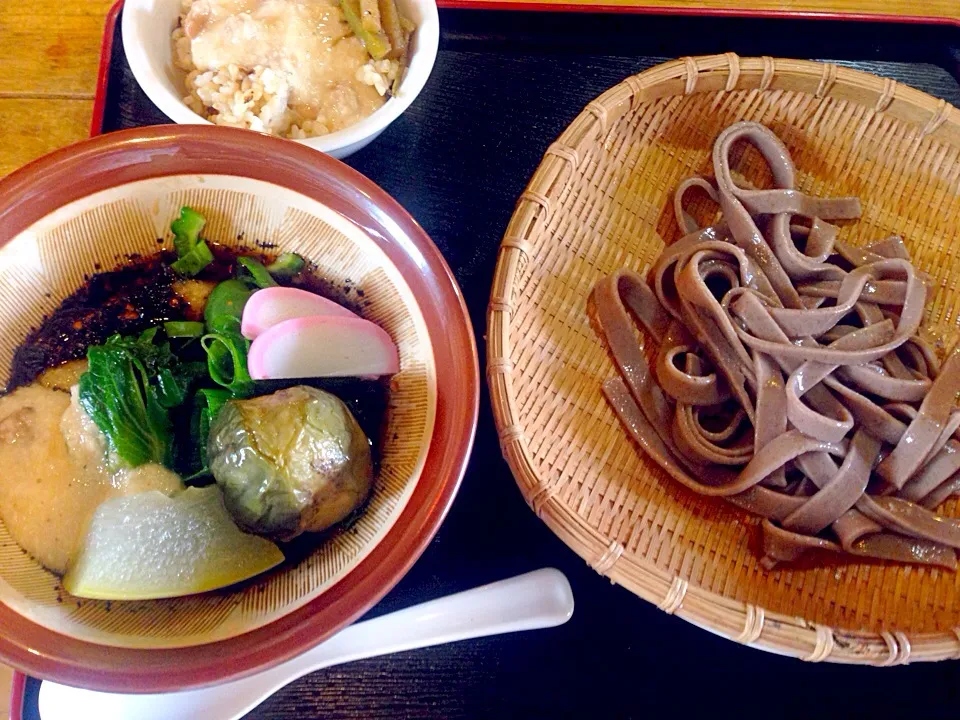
[132, 298]
[127, 300]
[140, 294]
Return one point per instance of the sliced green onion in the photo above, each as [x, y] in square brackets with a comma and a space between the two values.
[286, 266]
[227, 362]
[224, 308]
[257, 272]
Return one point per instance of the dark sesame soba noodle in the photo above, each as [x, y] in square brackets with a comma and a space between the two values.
[789, 376]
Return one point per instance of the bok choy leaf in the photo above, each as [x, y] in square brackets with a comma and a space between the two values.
[116, 392]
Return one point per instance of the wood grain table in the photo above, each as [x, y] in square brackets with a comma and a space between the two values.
[49, 50]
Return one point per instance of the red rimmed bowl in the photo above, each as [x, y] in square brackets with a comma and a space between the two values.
[91, 204]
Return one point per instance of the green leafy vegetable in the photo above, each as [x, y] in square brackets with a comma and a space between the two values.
[225, 306]
[213, 400]
[174, 384]
[183, 329]
[193, 254]
[227, 362]
[129, 389]
[146, 397]
[286, 266]
[116, 392]
[146, 337]
[257, 272]
[144, 348]
[206, 406]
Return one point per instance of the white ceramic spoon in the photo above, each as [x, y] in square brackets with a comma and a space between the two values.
[539, 599]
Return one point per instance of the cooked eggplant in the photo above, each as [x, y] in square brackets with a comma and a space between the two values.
[291, 462]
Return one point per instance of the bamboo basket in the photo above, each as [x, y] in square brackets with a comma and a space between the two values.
[602, 199]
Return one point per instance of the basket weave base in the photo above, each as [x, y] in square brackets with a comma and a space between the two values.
[601, 200]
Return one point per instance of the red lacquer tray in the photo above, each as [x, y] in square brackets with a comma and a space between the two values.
[923, 12]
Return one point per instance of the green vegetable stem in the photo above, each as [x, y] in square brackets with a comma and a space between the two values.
[193, 254]
[206, 406]
[193, 262]
[213, 399]
[376, 43]
[183, 329]
[174, 384]
[186, 230]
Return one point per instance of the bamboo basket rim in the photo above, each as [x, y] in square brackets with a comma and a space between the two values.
[742, 622]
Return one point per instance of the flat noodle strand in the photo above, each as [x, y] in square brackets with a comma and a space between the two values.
[788, 377]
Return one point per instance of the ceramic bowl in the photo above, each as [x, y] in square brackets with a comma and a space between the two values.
[146, 27]
[91, 205]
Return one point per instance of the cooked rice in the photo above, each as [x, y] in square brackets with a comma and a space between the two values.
[258, 98]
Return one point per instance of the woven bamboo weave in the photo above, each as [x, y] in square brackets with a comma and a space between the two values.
[601, 200]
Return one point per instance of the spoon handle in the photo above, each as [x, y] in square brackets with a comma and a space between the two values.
[537, 599]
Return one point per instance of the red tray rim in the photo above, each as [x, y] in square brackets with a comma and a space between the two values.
[103, 77]
[541, 6]
[17, 689]
[106, 48]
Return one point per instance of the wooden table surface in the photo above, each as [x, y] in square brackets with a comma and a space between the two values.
[49, 50]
